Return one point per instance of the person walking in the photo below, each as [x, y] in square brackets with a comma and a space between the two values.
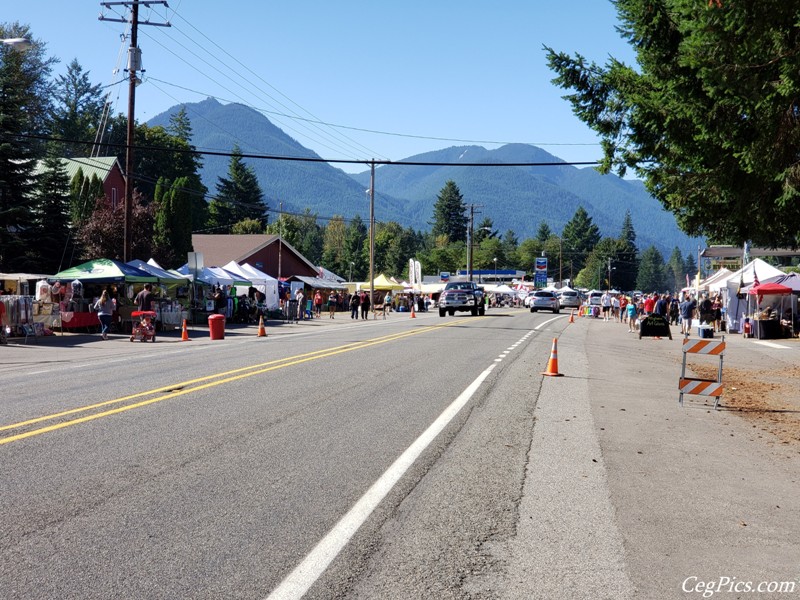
[687, 308]
[630, 309]
[144, 299]
[105, 311]
[333, 300]
[365, 302]
[355, 301]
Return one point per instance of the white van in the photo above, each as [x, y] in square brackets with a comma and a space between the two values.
[594, 298]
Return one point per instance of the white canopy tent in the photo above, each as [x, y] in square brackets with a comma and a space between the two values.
[733, 287]
[264, 283]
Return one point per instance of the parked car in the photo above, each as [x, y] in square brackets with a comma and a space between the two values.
[594, 298]
[544, 300]
[569, 299]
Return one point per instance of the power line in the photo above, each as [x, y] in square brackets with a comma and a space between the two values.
[398, 163]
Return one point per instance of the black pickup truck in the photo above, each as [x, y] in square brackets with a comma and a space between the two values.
[462, 296]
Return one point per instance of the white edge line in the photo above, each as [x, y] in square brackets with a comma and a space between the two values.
[540, 325]
[304, 575]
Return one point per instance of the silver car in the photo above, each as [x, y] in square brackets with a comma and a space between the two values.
[544, 300]
[569, 299]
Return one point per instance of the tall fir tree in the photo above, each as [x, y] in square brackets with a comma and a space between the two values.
[580, 235]
[627, 256]
[651, 276]
[450, 214]
[25, 93]
[238, 196]
[49, 238]
[77, 111]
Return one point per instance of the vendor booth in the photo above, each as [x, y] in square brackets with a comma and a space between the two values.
[208, 281]
[261, 282]
[66, 299]
[172, 300]
[17, 298]
[771, 310]
[734, 291]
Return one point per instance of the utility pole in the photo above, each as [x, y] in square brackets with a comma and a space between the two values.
[470, 233]
[372, 237]
[134, 65]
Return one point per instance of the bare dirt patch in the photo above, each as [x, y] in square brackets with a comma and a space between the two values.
[770, 400]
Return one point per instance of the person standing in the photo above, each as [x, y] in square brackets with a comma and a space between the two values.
[605, 303]
[144, 299]
[662, 306]
[105, 311]
[300, 299]
[687, 313]
[355, 300]
[318, 304]
[2, 321]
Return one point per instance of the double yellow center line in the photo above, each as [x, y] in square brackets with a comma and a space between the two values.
[31, 426]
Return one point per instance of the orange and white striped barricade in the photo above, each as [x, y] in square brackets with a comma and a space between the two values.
[702, 387]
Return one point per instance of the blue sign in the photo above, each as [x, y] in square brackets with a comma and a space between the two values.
[444, 275]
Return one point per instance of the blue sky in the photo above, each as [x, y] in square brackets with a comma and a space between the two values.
[413, 71]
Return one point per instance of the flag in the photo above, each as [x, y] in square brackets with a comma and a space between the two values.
[687, 281]
[755, 277]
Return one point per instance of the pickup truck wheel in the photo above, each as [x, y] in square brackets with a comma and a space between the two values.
[533, 309]
[474, 311]
[441, 312]
[482, 311]
[451, 311]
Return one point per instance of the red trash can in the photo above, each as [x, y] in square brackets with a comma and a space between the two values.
[216, 327]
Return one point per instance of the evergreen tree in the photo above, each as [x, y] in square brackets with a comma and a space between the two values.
[77, 111]
[485, 229]
[172, 229]
[651, 272]
[238, 196]
[626, 259]
[49, 237]
[691, 266]
[449, 214]
[180, 127]
[510, 244]
[678, 268]
[24, 98]
[580, 236]
[544, 232]
[708, 117]
[354, 244]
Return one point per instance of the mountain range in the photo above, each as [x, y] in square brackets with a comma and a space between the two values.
[515, 198]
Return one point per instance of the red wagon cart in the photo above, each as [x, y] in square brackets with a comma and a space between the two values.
[145, 328]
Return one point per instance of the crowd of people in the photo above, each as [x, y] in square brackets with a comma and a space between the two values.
[676, 309]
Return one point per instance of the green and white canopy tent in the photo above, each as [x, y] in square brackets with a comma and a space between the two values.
[104, 270]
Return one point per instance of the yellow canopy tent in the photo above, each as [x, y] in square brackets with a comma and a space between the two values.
[384, 284]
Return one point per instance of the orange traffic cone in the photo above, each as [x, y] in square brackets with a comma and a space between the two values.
[184, 333]
[413, 314]
[572, 316]
[552, 364]
[261, 331]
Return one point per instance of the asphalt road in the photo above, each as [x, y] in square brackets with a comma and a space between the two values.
[210, 469]
[406, 458]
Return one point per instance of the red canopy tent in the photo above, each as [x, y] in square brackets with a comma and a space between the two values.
[776, 289]
[770, 289]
